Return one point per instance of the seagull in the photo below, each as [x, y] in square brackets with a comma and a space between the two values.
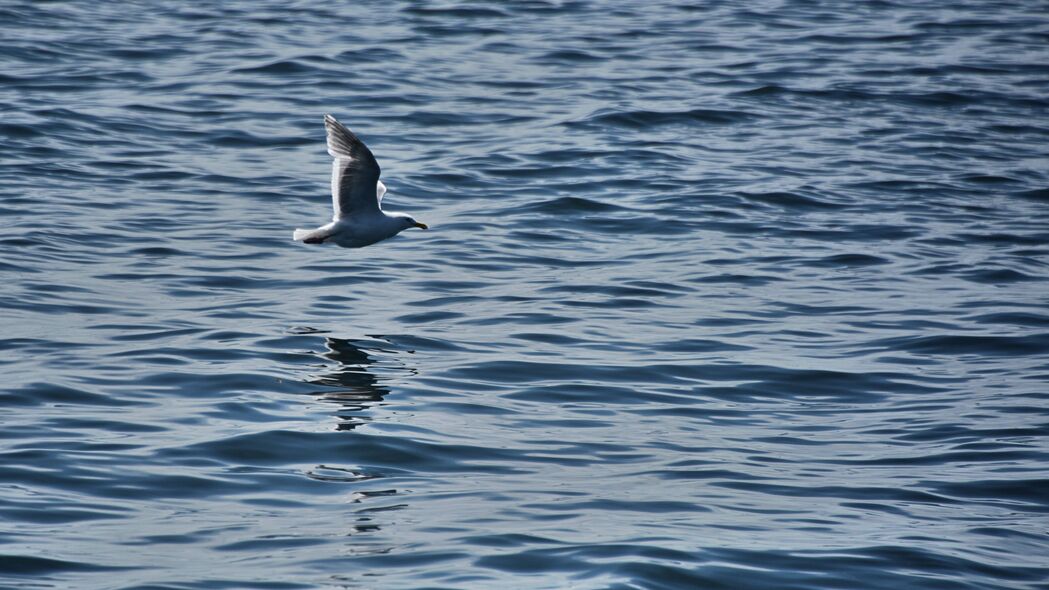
[356, 195]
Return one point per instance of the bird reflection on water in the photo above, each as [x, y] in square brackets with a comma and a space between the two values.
[356, 387]
[354, 378]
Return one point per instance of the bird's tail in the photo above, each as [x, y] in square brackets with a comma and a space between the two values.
[310, 236]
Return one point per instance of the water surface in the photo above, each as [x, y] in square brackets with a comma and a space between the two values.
[716, 295]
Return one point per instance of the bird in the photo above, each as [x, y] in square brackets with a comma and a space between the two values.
[356, 196]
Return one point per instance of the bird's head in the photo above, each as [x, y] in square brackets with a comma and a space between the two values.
[409, 221]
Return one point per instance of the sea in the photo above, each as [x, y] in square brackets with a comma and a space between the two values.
[715, 295]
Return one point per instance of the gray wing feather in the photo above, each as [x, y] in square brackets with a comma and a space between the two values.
[354, 173]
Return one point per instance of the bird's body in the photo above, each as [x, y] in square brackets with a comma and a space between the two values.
[356, 231]
[356, 193]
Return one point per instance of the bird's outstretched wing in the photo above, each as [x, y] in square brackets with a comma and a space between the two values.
[380, 190]
[354, 173]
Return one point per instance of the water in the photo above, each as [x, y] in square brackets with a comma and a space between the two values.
[716, 295]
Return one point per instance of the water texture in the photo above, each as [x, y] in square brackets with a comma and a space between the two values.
[716, 295]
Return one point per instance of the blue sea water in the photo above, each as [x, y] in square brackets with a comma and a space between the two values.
[743, 295]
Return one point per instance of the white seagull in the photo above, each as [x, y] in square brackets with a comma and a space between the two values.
[356, 195]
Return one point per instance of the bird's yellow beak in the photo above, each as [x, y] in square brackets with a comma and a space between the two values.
[421, 225]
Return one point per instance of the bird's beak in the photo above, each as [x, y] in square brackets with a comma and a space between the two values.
[421, 225]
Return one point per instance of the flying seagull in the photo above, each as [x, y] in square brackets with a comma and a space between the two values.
[356, 195]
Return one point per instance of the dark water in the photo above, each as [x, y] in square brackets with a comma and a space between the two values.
[716, 295]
